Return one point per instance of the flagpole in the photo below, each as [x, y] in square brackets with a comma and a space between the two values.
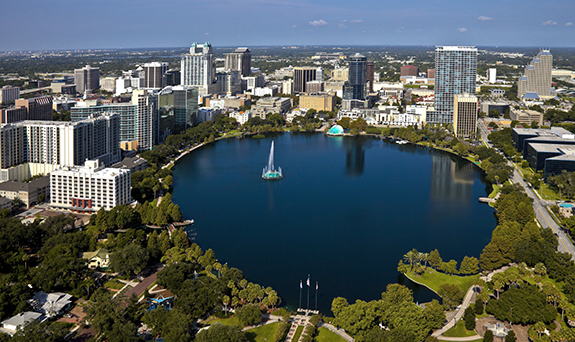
[300, 287]
[316, 286]
[308, 291]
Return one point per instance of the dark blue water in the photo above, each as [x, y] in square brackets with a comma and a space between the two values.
[345, 212]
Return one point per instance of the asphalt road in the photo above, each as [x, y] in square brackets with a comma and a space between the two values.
[541, 213]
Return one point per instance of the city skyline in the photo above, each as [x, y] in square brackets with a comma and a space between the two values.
[105, 24]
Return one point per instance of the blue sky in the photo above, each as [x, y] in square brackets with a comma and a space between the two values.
[83, 24]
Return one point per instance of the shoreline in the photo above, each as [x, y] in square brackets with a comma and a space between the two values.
[432, 290]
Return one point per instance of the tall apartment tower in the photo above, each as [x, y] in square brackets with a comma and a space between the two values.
[198, 67]
[147, 118]
[240, 60]
[492, 75]
[87, 79]
[153, 75]
[319, 74]
[370, 75]
[537, 77]
[357, 77]
[465, 115]
[9, 94]
[302, 75]
[455, 73]
[37, 108]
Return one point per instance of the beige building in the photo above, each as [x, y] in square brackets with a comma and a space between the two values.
[267, 105]
[29, 192]
[465, 115]
[537, 76]
[527, 116]
[319, 102]
[340, 74]
[97, 259]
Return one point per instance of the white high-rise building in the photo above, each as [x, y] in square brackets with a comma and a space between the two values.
[198, 68]
[492, 75]
[537, 77]
[8, 94]
[319, 74]
[89, 188]
[147, 118]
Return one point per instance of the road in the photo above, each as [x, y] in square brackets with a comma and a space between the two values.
[541, 213]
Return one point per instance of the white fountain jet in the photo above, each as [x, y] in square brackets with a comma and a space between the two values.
[269, 171]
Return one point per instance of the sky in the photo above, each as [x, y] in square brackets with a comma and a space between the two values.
[97, 24]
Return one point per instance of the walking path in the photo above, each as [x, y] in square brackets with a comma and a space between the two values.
[458, 314]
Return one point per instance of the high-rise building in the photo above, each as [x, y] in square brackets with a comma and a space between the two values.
[319, 74]
[229, 83]
[409, 70]
[240, 60]
[61, 143]
[357, 78]
[302, 75]
[455, 73]
[172, 77]
[198, 68]
[465, 115]
[431, 73]
[537, 77]
[8, 94]
[314, 87]
[340, 74]
[89, 188]
[178, 108]
[127, 113]
[36, 108]
[147, 118]
[492, 75]
[87, 79]
[153, 75]
[370, 75]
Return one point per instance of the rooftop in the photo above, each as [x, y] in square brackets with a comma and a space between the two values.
[38, 183]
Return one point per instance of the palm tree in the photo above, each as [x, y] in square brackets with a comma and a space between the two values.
[540, 269]
[539, 327]
[424, 257]
[411, 258]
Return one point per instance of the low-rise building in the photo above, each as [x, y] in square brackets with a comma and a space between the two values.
[15, 323]
[97, 259]
[133, 164]
[241, 117]
[89, 188]
[319, 102]
[279, 105]
[30, 193]
[50, 304]
[527, 116]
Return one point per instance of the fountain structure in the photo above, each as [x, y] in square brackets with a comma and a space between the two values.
[270, 172]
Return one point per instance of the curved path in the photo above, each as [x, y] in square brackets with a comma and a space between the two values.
[458, 315]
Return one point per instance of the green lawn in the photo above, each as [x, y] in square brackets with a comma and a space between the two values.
[548, 194]
[263, 333]
[495, 191]
[114, 284]
[459, 330]
[325, 335]
[435, 279]
[297, 333]
[224, 321]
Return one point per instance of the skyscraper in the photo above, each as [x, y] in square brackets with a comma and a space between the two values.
[455, 73]
[239, 60]
[178, 108]
[370, 75]
[198, 68]
[302, 75]
[465, 115]
[153, 75]
[87, 79]
[147, 118]
[537, 77]
[357, 77]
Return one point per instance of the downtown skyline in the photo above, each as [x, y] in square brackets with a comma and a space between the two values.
[103, 24]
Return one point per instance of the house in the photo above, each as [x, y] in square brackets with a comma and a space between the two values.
[50, 304]
[99, 258]
[13, 324]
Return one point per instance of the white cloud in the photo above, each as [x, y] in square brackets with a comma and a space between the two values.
[206, 34]
[549, 23]
[317, 23]
[356, 21]
[569, 24]
[294, 26]
[484, 18]
[462, 29]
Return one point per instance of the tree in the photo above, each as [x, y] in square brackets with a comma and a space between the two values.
[469, 265]
[449, 267]
[129, 260]
[451, 295]
[249, 315]
[488, 336]
[478, 306]
[523, 305]
[435, 259]
[511, 337]
[218, 333]
[469, 318]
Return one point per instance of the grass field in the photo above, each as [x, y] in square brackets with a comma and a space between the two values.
[459, 330]
[224, 321]
[325, 335]
[495, 191]
[114, 284]
[548, 194]
[297, 333]
[434, 279]
[263, 333]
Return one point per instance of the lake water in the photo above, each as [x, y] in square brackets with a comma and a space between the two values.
[346, 211]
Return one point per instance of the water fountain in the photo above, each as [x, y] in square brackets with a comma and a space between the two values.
[270, 172]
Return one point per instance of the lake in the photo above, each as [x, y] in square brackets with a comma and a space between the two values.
[346, 211]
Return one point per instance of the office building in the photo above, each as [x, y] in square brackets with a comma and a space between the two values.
[319, 102]
[198, 68]
[340, 74]
[89, 188]
[465, 116]
[12, 114]
[154, 75]
[8, 94]
[409, 70]
[555, 135]
[28, 192]
[63, 88]
[147, 119]
[178, 108]
[302, 75]
[108, 84]
[537, 77]
[357, 78]
[370, 75]
[59, 142]
[314, 87]
[87, 79]
[456, 72]
[240, 60]
[267, 105]
[501, 107]
[319, 74]
[228, 83]
[37, 108]
[287, 87]
[492, 75]
[172, 77]
[430, 73]
[252, 82]
[527, 117]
